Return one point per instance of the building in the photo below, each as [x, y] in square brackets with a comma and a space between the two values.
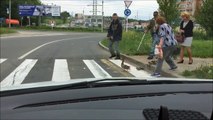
[79, 19]
[191, 6]
[88, 20]
[93, 21]
[196, 5]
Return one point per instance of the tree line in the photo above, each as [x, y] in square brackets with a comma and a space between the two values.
[203, 16]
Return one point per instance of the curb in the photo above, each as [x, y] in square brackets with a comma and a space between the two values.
[147, 67]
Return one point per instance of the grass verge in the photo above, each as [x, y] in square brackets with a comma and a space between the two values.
[202, 48]
[203, 72]
[48, 28]
[6, 30]
[131, 40]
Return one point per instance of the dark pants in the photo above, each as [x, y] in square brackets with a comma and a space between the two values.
[167, 54]
[115, 48]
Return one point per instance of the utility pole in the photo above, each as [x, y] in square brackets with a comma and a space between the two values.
[127, 24]
[137, 14]
[127, 11]
[94, 10]
[94, 7]
[9, 13]
[102, 26]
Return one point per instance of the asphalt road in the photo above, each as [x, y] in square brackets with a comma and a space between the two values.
[34, 57]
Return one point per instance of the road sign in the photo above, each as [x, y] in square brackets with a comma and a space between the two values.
[56, 10]
[7, 10]
[30, 10]
[128, 3]
[127, 12]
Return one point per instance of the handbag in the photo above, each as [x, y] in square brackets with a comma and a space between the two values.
[180, 37]
[176, 51]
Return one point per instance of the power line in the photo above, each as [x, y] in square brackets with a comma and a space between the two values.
[94, 7]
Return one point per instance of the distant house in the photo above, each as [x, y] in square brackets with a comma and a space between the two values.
[88, 20]
[191, 6]
[79, 19]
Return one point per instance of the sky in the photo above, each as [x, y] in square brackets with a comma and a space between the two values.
[140, 9]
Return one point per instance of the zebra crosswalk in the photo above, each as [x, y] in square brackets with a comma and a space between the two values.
[2, 60]
[96, 69]
[19, 74]
[62, 70]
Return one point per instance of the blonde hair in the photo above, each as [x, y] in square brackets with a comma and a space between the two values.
[185, 14]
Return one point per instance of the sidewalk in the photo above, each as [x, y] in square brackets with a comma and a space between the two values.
[142, 61]
[197, 62]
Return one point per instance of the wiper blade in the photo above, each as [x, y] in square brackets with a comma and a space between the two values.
[102, 82]
[91, 83]
[123, 81]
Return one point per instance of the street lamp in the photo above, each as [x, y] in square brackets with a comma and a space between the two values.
[9, 13]
[102, 26]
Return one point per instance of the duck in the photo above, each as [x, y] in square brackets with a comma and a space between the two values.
[125, 67]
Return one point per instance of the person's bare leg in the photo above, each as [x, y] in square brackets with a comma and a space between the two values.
[189, 51]
[181, 54]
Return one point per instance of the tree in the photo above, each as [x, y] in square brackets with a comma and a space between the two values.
[4, 5]
[205, 17]
[169, 10]
[14, 7]
[64, 16]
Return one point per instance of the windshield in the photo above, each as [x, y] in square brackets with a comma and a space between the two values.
[106, 59]
[44, 41]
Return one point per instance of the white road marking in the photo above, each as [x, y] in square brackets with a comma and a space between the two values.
[31, 51]
[133, 70]
[19, 74]
[2, 60]
[96, 69]
[25, 35]
[61, 71]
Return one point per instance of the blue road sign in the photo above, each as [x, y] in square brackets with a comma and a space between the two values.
[34, 10]
[127, 12]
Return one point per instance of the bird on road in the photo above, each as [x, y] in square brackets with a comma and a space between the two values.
[125, 67]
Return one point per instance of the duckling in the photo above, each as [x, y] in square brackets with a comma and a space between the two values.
[125, 67]
[140, 68]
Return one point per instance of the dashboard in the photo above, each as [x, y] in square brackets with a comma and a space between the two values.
[108, 103]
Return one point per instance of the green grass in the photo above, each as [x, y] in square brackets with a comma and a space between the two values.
[6, 30]
[129, 44]
[202, 48]
[204, 72]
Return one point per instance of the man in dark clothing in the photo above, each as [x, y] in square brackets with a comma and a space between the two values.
[115, 36]
[153, 28]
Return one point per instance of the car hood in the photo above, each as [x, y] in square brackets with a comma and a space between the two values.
[74, 81]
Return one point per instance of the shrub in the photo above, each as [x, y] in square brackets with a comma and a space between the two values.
[6, 30]
[204, 72]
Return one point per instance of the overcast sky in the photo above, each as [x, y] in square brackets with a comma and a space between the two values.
[141, 9]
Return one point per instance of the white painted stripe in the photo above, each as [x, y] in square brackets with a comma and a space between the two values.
[133, 70]
[19, 74]
[31, 51]
[2, 60]
[96, 69]
[60, 71]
